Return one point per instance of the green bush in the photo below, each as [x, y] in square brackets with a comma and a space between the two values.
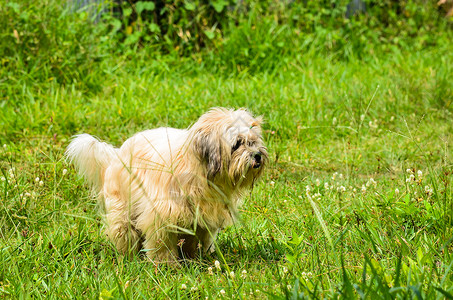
[46, 41]
[177, 26]
[43, 41]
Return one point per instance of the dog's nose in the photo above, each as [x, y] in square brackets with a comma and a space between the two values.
[257, 157]
[257, 160]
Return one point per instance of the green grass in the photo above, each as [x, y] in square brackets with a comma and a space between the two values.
[336, 214]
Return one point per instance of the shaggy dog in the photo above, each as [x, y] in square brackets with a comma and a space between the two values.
[169, 191]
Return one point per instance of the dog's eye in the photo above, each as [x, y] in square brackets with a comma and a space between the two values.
[237, 145]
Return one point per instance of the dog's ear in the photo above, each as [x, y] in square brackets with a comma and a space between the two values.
[209, 151]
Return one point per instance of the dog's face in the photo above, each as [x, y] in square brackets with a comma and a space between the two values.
[230, 145]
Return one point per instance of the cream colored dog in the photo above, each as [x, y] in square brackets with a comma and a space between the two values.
[169, 191]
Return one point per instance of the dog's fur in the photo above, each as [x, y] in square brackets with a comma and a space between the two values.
[170, 191]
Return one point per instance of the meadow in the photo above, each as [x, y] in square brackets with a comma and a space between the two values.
[356, 201]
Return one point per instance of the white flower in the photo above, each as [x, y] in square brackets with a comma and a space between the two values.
[318, 182]
[4, 146]
[334, 121]
[341, 176]
[342, 189]
[37, 179]
[397, 191]
[27, 194]
[193, 289]
[3, 178]
[232, 274]
[243, 273]
[409, 171]
[183, 286]
[217, 265]
[373, 124]
[210, 271]
[222, 292]
[354, 190]
[410, 179]
[289, 286]
[41, 183]
[428, 190]
[272, 183]
[363, 189]
[285, 270]
[64, 172]
[371, 182]
[334, 175]
[362, 117]
[419, 173]
[326, 185]
[392, 118]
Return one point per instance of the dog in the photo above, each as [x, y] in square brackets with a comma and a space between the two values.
[169, 191]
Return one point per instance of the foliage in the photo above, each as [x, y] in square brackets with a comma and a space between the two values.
[181, 26]
[43, 41]
[356, 202]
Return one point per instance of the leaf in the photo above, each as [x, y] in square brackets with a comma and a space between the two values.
[14, 6]
[24, 16]
[116, 24]
[133, 38]
[153, 27]
[189, 5]
[144, 5]
[209, 34]
[296, 239]
[127, 12]
[320, 218]
[290, 258]
[419, 255]
[219, 5]
[416, 291]
[445, 293]
[105, 295]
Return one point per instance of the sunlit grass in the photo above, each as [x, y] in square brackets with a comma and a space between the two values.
[356, 201]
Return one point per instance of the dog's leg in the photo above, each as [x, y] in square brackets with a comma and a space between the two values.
[207, 238]
[119, 229]
[161, 246]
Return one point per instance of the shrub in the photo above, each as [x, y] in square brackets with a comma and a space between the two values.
[44, 41]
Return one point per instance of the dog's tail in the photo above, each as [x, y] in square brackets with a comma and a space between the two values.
[91, 158]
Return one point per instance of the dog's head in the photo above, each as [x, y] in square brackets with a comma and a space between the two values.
[230, 145]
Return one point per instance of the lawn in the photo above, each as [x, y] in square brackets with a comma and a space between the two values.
[356, 201]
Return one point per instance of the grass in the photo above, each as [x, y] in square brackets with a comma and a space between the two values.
[341, 212]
